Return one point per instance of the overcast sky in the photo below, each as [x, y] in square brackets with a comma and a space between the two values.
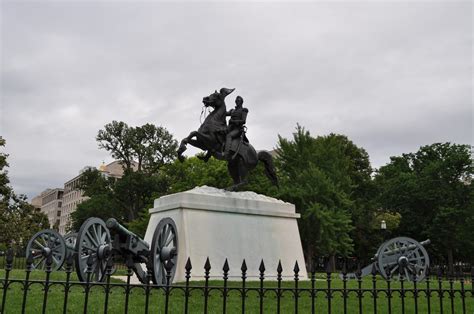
[392, 76]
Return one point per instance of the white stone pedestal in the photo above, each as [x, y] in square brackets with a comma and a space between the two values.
[235, 225]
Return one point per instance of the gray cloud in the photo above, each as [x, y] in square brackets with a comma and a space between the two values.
[392, 76]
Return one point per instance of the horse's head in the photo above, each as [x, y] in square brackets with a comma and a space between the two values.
[216, 99]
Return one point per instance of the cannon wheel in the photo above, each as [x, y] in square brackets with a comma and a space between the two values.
[164, 249]
[93, 239]
[70, 240]
[42, 244]
[394, 257]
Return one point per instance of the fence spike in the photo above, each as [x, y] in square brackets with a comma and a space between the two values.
[207, 265]
[243, 268]
[110, 263]
[373, 271]
[169, 265]
[226, 267]
[29, 261]
[90, 260]
[262, 267]
[70, 260]
[188, 266]
[358, 272]
[279, 268]
[49, 262]
[296, 269]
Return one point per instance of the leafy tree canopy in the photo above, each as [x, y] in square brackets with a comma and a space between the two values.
[323, 176]
[143, 152]
[432, 191]
[149, 146]
[18, 219]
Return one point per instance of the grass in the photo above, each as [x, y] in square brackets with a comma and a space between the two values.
[137, 300]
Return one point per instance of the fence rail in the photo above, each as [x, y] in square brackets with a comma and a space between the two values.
[320, 293]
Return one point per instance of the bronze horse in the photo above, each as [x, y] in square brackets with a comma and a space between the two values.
[211, 137]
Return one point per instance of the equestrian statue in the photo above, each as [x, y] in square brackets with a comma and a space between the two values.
[228, 141]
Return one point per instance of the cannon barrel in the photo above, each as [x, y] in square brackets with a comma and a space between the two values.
[114, 225]
[405, 249]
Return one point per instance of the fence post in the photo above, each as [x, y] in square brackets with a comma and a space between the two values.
[279, 271]
[243, 268]
[108, 273]
[428, 290]
[296, 270]
[402, 291]
[359, 287]
[262, 277]
[373, 272]
[188, 268]
[344, 286]
[313, 287]
[472, 280]
[129, 264]
[49, 262]
[90, 262]
[149, 275]
[463, 293]
[440, 290]
[415, 291]
[26, 285]
[207, 269]
[389, 292]
[69, 265]
[224, 294]
[8, 268]
[328, 280]
[168, 266]
[451, 289]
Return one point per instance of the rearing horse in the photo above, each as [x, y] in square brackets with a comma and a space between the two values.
[210, 137]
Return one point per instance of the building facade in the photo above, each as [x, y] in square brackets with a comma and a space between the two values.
[51, 205]
[73, 196]
[58, 204]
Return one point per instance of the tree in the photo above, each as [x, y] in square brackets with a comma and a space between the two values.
[144, 151]
[149, 146]
[18, 219]
[432, 191]
[325, 177]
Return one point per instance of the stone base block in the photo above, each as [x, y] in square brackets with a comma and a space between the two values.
[235, 225]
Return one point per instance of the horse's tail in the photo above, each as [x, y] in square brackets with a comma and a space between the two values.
[267, 160]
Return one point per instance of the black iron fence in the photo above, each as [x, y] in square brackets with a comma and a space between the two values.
[59, 292]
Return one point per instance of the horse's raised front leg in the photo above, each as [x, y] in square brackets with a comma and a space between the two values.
[182, 146]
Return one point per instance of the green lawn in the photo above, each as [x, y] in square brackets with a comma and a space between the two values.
[116, 302]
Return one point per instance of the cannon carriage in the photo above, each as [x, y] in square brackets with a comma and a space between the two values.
[399, 257]
[98, 241]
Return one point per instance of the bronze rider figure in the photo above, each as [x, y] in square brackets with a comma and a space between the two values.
[236, 127]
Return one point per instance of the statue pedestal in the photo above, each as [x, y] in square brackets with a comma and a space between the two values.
[235, 225]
